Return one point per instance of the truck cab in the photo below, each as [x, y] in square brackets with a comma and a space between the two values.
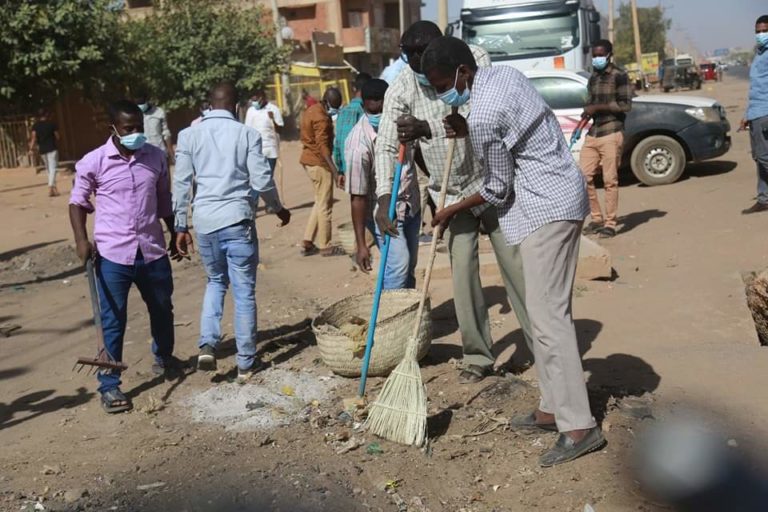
[532, 34]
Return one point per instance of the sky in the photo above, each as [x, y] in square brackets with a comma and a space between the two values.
[703, 25]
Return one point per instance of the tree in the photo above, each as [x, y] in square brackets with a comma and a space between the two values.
[653, 33]
[47, 47]
[186, 46]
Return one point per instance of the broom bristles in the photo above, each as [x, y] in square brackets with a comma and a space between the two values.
[400, 412]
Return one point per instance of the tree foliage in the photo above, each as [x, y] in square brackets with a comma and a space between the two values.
[653, 33]
[49, 46]
[185, 46]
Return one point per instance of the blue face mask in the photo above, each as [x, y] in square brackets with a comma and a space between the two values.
[762, 39]
[599, 63]
[144, 107]
[374, 119]
[452, 97]
[422, 79]
[132, 141]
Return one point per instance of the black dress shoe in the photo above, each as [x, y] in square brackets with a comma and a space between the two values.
[607, 233]
[755, 208]
[527, 423]
[566, 449]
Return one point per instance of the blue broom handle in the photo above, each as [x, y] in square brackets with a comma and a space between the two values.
[380, 277]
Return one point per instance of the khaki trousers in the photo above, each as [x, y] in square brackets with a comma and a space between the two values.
[469, 302]
[320, 219]
[549, 256]
[603, 151]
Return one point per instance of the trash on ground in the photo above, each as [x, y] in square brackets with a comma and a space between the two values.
[374, 449]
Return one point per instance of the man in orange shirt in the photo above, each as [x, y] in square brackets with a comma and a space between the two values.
[317, 140]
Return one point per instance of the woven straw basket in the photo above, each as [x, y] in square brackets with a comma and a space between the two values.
[397, 313]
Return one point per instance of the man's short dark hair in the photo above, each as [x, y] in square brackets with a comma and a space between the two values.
[420, 34]
[603, 43]
[332, 95]
[762, 19]
[374, 89]
[122, 107]
[360, 81]
[446, 54]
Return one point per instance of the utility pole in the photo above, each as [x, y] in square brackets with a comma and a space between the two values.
[402, 16]
[442, 14]
[636, 30]
[285, 79]
[610, 21]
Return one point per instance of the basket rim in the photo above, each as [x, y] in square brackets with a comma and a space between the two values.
[353, 298]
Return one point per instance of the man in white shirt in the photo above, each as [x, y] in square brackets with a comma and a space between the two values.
[265, 117]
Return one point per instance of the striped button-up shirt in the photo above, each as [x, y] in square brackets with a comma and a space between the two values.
[406, 96]
[361, 178]
[530, 175]
[345, 121]
[610, 87]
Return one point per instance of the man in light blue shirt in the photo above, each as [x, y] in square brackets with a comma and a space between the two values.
[224, 158]
[757, 114]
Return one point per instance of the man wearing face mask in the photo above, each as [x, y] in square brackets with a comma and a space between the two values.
[129, 179]
[265, 117]
[541, 197]
[361, 185]
[317, 141]
[414, 112]
[756, 118]
[610, 98]
[348, 117]
[155, 125]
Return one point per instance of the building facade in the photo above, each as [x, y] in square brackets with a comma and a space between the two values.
[368, 30]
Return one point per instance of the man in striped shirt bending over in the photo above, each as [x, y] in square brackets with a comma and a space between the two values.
[400, 271]
[541, 196]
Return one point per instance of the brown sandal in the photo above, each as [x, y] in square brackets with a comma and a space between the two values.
[333, 250]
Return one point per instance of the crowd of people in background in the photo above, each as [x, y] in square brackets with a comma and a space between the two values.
[512, 178]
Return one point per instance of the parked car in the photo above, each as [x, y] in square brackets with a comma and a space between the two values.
[661, 134]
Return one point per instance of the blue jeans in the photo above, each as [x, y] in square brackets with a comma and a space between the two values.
[400, 271]
[230, 255]
[155, 283]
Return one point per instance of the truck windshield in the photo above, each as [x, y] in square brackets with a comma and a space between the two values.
[521, 38]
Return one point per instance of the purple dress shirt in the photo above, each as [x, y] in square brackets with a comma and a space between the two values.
[132, 195]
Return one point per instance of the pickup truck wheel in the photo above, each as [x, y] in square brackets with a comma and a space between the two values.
[658, 160]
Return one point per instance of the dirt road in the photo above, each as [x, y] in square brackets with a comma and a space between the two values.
[672, 325]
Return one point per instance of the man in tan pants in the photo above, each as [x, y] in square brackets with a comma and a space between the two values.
[541, 198]
[610, 98]
[317, 140]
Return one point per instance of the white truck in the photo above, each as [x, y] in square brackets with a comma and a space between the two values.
[532, 34]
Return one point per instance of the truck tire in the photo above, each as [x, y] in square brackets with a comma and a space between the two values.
[658, 160]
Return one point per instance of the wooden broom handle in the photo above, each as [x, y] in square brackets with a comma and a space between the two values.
[435, 235]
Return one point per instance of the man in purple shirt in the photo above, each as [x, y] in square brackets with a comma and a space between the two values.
[132, 188]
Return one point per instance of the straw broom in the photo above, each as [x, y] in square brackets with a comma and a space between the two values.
[400, 412]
